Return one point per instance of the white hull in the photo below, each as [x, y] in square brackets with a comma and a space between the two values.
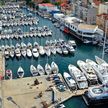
[78, 76]
[54, 67]
[48, 69]
[20, 72]
[29, 53]
[70, 81]
[33, 70]
[88, 71]
[40, 69]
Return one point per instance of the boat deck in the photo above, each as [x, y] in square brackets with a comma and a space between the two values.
[22, 93]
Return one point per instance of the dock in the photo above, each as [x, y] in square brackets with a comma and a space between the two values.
[23, 93]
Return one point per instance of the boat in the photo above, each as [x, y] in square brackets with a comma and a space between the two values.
[70, 81]
[99, 60]
[33, 70]
[40, 69]
[64, 50]
[20, 72]
[78, 76]
[23, 52]
[9, 73]
[53, 49]
[23, 45]
[41, 50]
[48, 69]
[97, 95]
[58, 49]
[60, 106]
[36, 45]
[18, 45]
[29, 45]
[72, 43]
[88, 72]
[12, 53]
[6, 53]
[70, 49]
[17, 52]
[35, 52]
[101, 71]
[29, 53]
[47, 50]
[54, 67]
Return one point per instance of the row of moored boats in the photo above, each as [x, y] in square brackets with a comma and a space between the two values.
[88, 74]
[35, 71]
[29, 50]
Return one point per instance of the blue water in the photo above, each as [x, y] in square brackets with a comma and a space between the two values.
[82, 52]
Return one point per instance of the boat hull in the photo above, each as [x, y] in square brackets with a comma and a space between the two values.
[93, 101]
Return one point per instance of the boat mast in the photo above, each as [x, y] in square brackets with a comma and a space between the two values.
[103, 52]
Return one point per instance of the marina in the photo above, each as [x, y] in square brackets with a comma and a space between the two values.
[40, 60]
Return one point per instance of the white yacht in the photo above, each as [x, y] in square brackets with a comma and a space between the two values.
[20, 72]
[54, 67]
[99, 60]
[48, 69]
[33, 70]
[70, 81]
[78, 76]
[101, 71]
[88, 72]
[40, 69]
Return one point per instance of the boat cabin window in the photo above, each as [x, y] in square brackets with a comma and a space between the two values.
[88, 33]
[97, 90]
[79, 32]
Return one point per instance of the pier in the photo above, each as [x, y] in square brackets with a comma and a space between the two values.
[25, 93]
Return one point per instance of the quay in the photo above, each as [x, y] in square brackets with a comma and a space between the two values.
[24, 93]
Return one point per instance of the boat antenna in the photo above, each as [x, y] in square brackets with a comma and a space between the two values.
[103, 52]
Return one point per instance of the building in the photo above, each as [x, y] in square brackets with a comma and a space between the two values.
[86, 13]
[101, 21]
[103, 8]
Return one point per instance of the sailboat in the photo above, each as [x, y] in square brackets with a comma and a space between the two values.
[54, 67]
[48, 69]
[20, 72]
[40, 69]
[33, 70]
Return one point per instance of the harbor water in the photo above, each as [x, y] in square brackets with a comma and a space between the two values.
[83, 51]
